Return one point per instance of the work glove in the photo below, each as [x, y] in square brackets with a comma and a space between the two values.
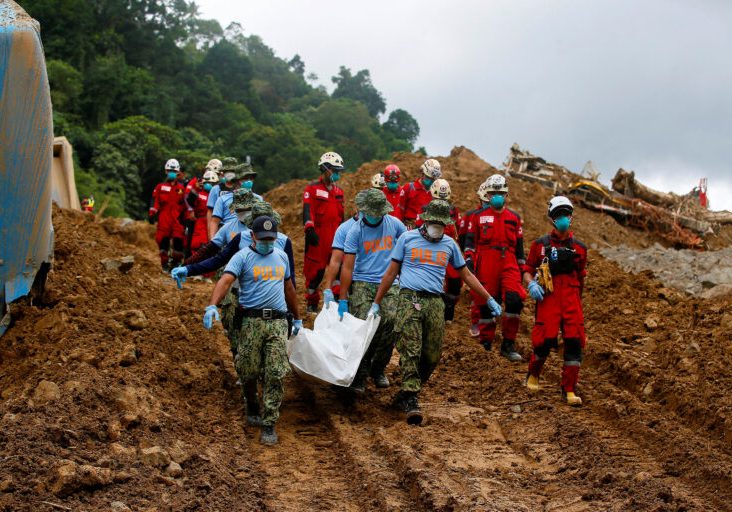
[536, 291]
[471, 266]
[375, 309]
[179, 274]
[296, 326]
[210, 316]
[311, 237]
[328, 297]
[152, 212]
[342, 308]
[495, 307]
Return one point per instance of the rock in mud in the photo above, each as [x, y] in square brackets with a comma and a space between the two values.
[651, 322]
[70, 477]
[154, 456]
[123, 264]
[173, 469]
[118, 506]
[121, 452]
[46, 391]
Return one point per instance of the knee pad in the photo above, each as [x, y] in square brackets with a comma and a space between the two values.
[178, 244]
[542, 351]
[573, 350]
[485, 312]
[165, 244]
[514, 304]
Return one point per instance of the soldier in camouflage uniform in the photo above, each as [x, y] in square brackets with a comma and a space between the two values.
[420, 258]
[266, 293]
[366, 257]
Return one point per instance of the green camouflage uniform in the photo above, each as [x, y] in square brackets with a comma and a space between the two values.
[261, 353]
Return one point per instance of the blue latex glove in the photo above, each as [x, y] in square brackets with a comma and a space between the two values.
[179, 274]
[328, 297]
[375, 308]
[536, 291]
[296, 326]
[342, 307]
[495, 307]
[210, 316]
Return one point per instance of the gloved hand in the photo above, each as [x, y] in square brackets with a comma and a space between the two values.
[495, 307]
[179, 274]
[311, 237]
[342, 307]
[328, 297]
[296, 326]
[210, 316]
[375, 309]
[536, 291]
[471, 266]
[152, 212]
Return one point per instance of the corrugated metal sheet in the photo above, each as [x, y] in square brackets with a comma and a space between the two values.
[26, 145]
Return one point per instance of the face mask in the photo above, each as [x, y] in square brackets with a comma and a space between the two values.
[242, 216]
[335, 177]
[427, 182]
[264, 246]
[435, 230]
[248, 184]
[562, 223]
[372, 220]
[392, 186]
[207, 187]
[171, 175]
[497, 201]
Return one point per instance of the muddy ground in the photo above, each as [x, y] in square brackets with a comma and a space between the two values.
[114, 397]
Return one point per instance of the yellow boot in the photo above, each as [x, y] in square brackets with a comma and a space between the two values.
[573, 399]
[532, 383]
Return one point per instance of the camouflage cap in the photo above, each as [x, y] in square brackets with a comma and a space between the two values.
[438, 211]
[261, 208]
[243, 200]
[359, 199]
[228, 164]
[375, 203]
[243, 170]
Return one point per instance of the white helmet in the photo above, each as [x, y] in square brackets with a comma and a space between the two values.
[172, 165]
[331, 160]
[484, 192]
[378, 181]
[440, 189]
[214, 165]
[559, 205]
[497, 183]
[431, 168]
[210, 176]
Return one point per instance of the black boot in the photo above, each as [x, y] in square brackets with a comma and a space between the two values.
[254, 417]
[508, 350]
[268, 435]
[381, 380]
[488, 345]
[411, 407]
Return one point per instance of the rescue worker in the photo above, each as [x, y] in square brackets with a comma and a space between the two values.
[196, 200]
[267, 293]
[420, 257]
[222, 213]
[494, 247]
[462, 233]
[322, 213]
[366, 257]
[87, 204]
[377, 181]
[392, 190]
[416, 195]
[561, 308]
[167, 205]
[227, 184]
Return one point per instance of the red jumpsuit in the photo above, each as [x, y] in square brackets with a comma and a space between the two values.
[495, 241]
[394, 198]
[561, 309]
[168, 203]
[197, 199]
[413, 200]
[465, 220]
[323, 210]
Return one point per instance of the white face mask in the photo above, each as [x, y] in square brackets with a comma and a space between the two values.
[435, 230]
[242, 216]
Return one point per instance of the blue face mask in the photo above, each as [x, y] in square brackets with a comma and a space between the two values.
[335, 176]
[372, 220]
[265, 246]
[207, 187]
[497, 201]
[171, 175]
[562, 223]
[393, 186]
[247, 185]
[427, 182]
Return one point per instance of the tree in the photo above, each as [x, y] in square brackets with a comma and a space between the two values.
[402, 125]
[66, 85]
[358, 87]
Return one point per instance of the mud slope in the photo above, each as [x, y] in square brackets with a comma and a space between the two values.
[112, 365]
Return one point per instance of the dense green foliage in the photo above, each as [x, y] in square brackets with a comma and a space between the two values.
[135, 82]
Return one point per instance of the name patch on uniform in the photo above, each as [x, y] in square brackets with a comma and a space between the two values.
[165, 188]
[269, 273]
[380, 244]
[202, 197]
[487, 219]
[429, 257]
[307, 195]
[322, 193]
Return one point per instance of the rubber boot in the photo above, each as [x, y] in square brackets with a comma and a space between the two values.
[381, 381]
[411, 407]
[570, 376]
[572, 399]
[532, 383]
[487, 344]
[508, 351]
[268, 436]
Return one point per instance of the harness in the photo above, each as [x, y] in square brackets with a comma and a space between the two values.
[562, 260]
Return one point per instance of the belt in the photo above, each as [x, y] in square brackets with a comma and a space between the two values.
[425, 295]
[265, 314]
[501, 248]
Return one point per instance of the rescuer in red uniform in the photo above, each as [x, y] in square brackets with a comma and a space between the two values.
[416, 195]
[562, 307]
[168, 205]
[322, 213]
[196, 199]
[392, 190]
[494, 246]
[462, 233]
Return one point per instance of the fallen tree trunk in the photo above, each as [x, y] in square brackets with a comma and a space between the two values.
[625, 183]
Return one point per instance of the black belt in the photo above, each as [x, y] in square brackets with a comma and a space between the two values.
[426, 295]
[501, 248]
[265, 314]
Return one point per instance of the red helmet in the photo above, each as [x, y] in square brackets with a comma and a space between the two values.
[391, 173]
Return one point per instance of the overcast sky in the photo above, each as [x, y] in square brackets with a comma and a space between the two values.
[643, 85]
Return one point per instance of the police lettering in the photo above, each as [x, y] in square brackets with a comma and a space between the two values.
[380, 244]
[438, 258]
[269, 273]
